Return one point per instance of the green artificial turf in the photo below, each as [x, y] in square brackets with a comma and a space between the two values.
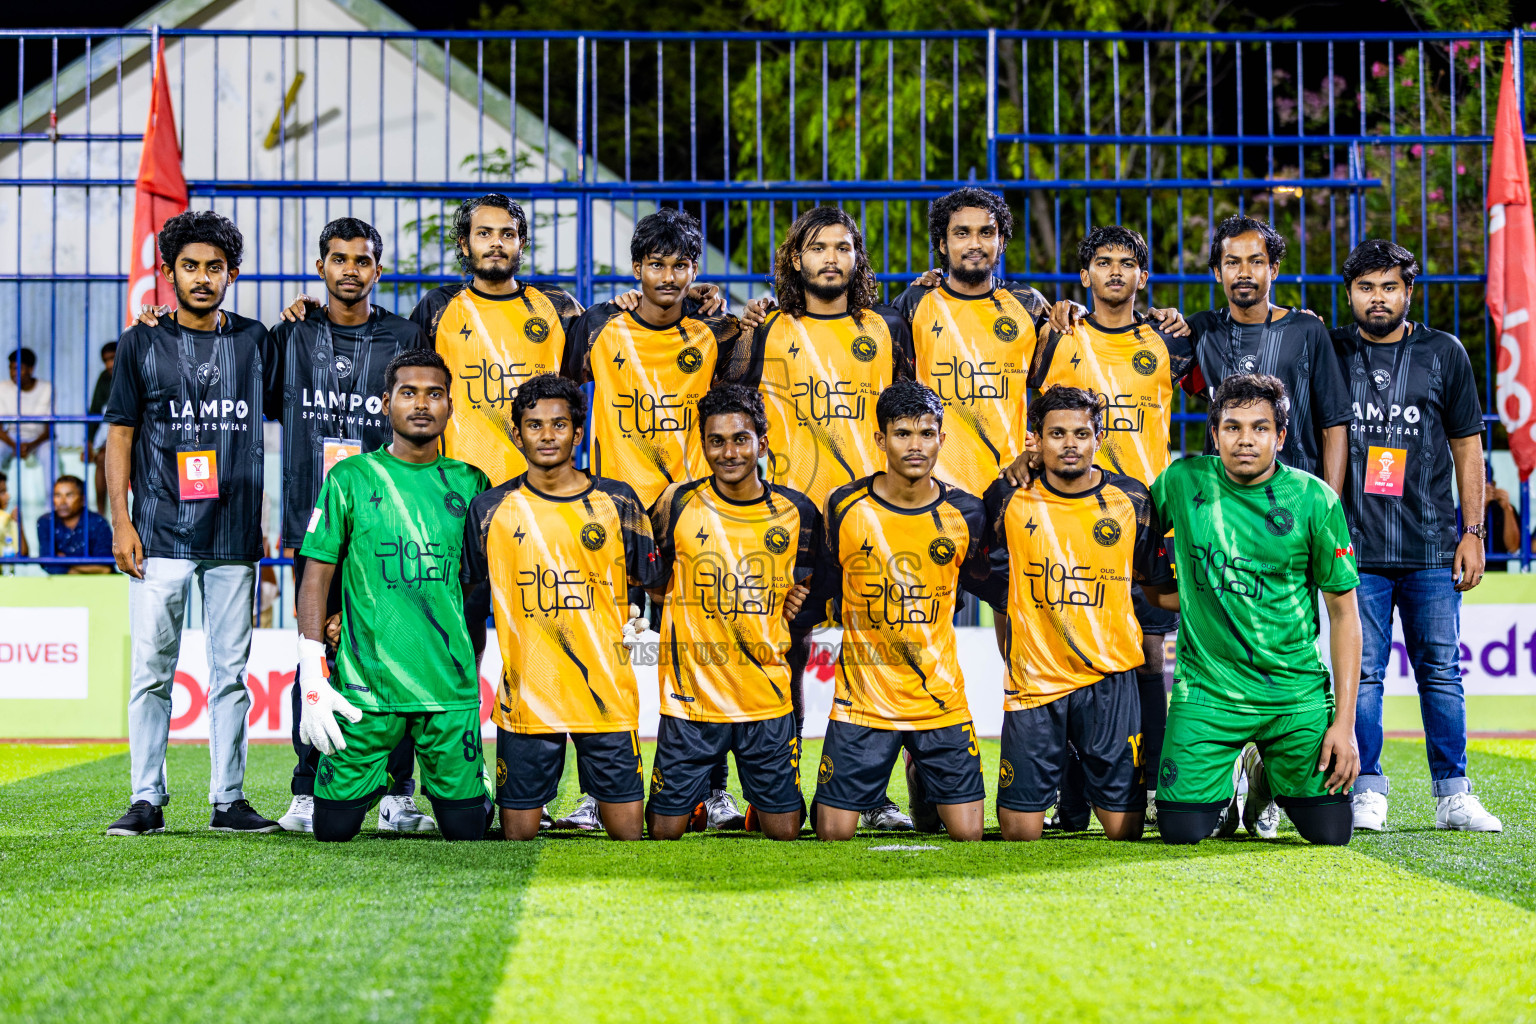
[197, 926]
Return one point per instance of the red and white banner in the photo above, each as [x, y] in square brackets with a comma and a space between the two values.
[1512, 272]
[159, 194]
[45, 653]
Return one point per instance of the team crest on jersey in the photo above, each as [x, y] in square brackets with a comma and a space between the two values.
[1106, 531]
[690, 360]
[824, 773]
[1004, 775]
[593, 536]
[655, 781]
[864, 348]
[777, 540]
[1279, 521]
[1381, 379]
[942, 551]
[501, 773]
[343, 366]
[326, 774]
[208, 374]
[1248, 364]
[536, 329]
[1006, 328]
[1144, 362]
[1167, 774]
[454, 502]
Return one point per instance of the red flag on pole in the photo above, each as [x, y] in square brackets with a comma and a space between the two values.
[159, 194]
[1512, 272]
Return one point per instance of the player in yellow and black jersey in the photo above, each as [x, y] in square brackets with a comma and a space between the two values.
[1074, 540]
[823, 359]
[560, 551]
[494, 333]
[737, 555]
[974, 337]
[1137, 365]
[900, 545]
[650, 366]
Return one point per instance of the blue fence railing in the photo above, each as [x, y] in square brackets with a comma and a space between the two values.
[1334, 138]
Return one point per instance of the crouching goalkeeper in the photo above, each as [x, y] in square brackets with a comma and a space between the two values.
[392, 521]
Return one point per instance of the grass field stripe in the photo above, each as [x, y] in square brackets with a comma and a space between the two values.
[27, 760]
[1505, 748]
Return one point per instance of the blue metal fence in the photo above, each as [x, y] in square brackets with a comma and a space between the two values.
[1333, 138]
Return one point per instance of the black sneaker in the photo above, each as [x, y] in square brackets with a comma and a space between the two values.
[241, 817]
[142, 818]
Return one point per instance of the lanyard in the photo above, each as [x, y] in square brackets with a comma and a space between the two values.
[1235, 338]
[1368, 358]
[325, 349]
[186, 355]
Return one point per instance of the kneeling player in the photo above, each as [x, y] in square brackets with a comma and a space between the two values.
[394, 521]
[560, 550]
[1255, 540]
[734, 555]
[899, 546]
[1075, 541]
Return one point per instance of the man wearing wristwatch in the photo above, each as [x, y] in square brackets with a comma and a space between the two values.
[1417, 423]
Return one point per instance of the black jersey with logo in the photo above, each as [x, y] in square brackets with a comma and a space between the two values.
[333, 386]
[1293, 347]
[229, 383]
[1412, 397]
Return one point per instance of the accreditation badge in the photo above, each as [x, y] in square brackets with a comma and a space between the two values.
[198, 473]
[1385, 470]
[334, 449]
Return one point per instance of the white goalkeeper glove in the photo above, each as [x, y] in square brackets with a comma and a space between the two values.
[636, 625]
[317, 718]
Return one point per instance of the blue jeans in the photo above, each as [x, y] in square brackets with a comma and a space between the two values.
[155, 607]
[1430, 609]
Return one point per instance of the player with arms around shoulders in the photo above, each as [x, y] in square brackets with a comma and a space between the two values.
[1255, 542]
[735, 558]
[900, 545]
[1075, 540]
[560, 550]
[392, 521]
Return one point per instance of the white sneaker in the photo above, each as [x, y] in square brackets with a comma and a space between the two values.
[723, 812]
[1261, 815]
[584, 817]
[886, 819]
[1463, 812]
[1150, 816]
[545, 821]
[1370, 810]
[400, 814]
[1232, 814]
[300, 816]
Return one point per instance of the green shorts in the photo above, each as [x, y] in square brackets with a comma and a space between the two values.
[447, 749]
[1202, 743]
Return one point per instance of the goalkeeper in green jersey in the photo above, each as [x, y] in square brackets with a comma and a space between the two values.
[392, 521]
[1254, 542]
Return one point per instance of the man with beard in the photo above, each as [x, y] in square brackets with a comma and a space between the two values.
[1251, 335]
[184, 429]
[1417, 425]
[821, 361]
[1119, 353]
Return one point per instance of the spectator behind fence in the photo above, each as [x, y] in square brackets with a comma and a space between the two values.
[1503, 524]
[25, 453]
[93, 454]
[72, 531]
[13, 541]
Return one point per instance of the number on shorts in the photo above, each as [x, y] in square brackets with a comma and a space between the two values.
[471, 741]
[1135, 742]
[972, 748]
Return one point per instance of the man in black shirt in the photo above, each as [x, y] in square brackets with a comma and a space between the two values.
[99, 396]
[1251, 335]
[1417, 426]
[184, 429]
[333, 385]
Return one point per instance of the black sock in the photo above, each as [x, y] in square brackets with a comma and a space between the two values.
[339, 821]
[462, 819]
[1154, 723]
[1324, 824]
[1183, 828]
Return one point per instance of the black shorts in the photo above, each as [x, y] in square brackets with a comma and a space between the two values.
[529, 766]
[767, 759]
[856, 763]
[1102, 721]
[1153, 620]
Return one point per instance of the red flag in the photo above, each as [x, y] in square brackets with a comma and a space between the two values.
[159, 194]
[1512, 273]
